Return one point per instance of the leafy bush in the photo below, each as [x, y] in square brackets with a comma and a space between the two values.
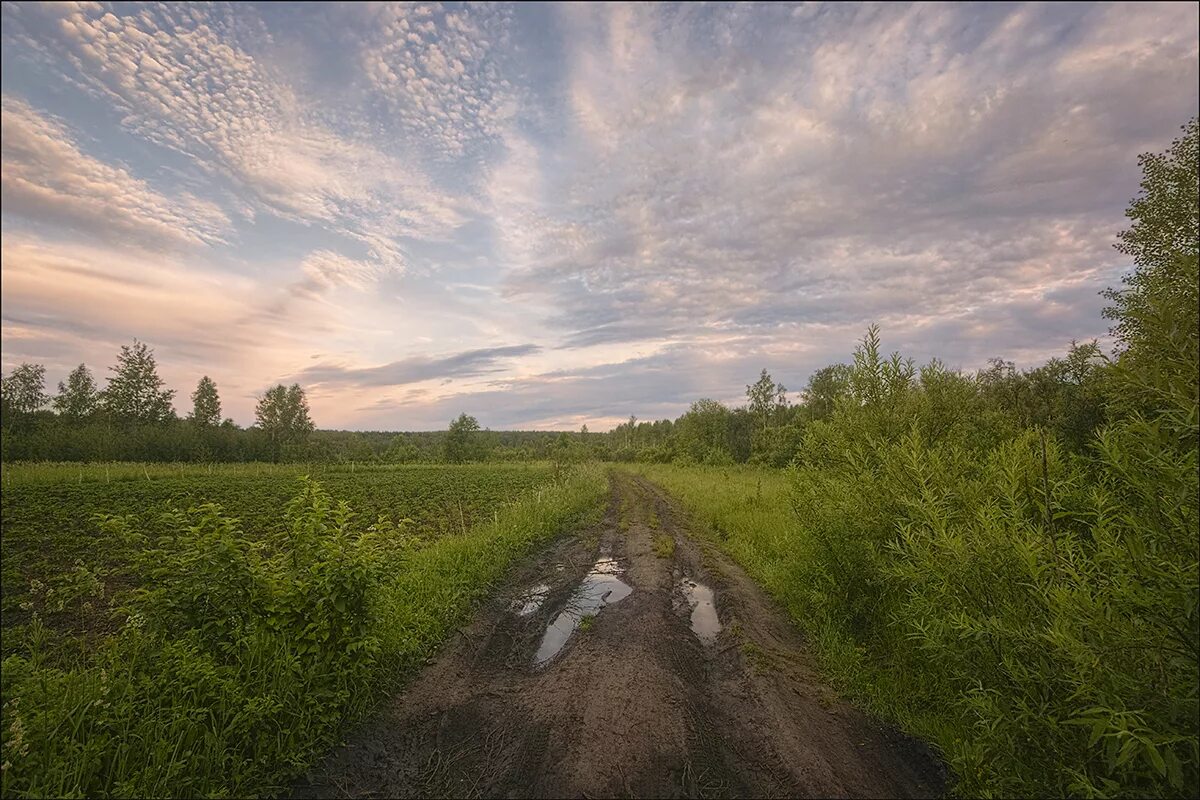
[238, 660]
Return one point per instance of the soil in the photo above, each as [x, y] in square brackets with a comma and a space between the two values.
[644, 699]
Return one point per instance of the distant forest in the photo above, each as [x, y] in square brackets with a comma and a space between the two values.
[133, 419]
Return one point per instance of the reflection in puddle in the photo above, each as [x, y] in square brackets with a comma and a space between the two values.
[531, 601]
[699, 598]
[599, 588]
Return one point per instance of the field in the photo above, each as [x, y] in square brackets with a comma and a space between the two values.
[204, 630]
[50, 535]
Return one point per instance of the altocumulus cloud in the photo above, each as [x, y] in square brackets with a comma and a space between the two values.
[655, 199]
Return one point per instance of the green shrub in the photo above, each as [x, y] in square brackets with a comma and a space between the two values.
[238, 661]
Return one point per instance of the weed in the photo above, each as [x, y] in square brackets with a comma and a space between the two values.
[755, 655]
[239, 658]
[664, 546]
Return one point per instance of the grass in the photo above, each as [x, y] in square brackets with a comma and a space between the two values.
[50, 536]
[624, 515]
[245, 658]
[664, 546]
[1007, 697]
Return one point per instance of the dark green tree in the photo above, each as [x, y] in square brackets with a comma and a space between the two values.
[78, 398]
[23, 391]
[766, 398]
[460, 439]
[135, 392]
[702, 433]
[282, 414]
[825, 387]
[1157, 311]
[206, 403]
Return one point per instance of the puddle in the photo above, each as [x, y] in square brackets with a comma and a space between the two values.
[531, 601]
[705, 623]
[600, 587]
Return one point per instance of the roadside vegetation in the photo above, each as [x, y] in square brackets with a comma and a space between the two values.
[1007, 564]
[230, 652]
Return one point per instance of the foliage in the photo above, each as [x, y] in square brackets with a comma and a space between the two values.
[206, 403]
[135, 393]
[282, 414]
[78, 398]
[461, 440]
[23, 391]
[237, 659]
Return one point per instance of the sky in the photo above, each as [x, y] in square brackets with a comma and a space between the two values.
[556, 215]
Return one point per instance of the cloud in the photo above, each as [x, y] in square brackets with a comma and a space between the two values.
[438, 71]
[66, 303]
[656, 199]
[414, 370]
[197, 80]
[882, 163]
[46, 177]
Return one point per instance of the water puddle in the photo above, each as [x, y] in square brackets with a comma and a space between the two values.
[531, 601]
[699, 598]
[602, 586]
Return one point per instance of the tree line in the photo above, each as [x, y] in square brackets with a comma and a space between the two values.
[133, 417]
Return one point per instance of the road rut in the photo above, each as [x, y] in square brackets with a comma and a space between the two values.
[692, 683]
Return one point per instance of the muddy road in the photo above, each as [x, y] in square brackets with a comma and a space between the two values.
[627, 660]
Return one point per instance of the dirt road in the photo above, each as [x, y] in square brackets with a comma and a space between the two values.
[626, 661]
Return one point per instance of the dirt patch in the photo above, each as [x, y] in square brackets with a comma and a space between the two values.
[691, 684]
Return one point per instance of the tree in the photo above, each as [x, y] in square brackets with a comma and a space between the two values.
[703, 432]
[78, 397]
[1157, 312]
[766, 398]
[459, 439]
[282, 413]
[24, 390]
[825, 387]
[134, 393]
[206, 403]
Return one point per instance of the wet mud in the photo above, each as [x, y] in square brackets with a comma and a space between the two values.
[604, 669]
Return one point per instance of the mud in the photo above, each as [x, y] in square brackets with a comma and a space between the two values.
[690, 683]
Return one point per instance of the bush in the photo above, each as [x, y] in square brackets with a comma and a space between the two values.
[238, 661]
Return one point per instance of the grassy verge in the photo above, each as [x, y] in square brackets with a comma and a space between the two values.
[237, 661]
[1024, 657]
[748, 513]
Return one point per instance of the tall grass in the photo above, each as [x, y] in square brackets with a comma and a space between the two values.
[1032, 613]
[241, 660]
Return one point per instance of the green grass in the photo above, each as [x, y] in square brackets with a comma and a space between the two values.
[664, 546]
[1007, 697]
[50, 536]
[245, 656]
